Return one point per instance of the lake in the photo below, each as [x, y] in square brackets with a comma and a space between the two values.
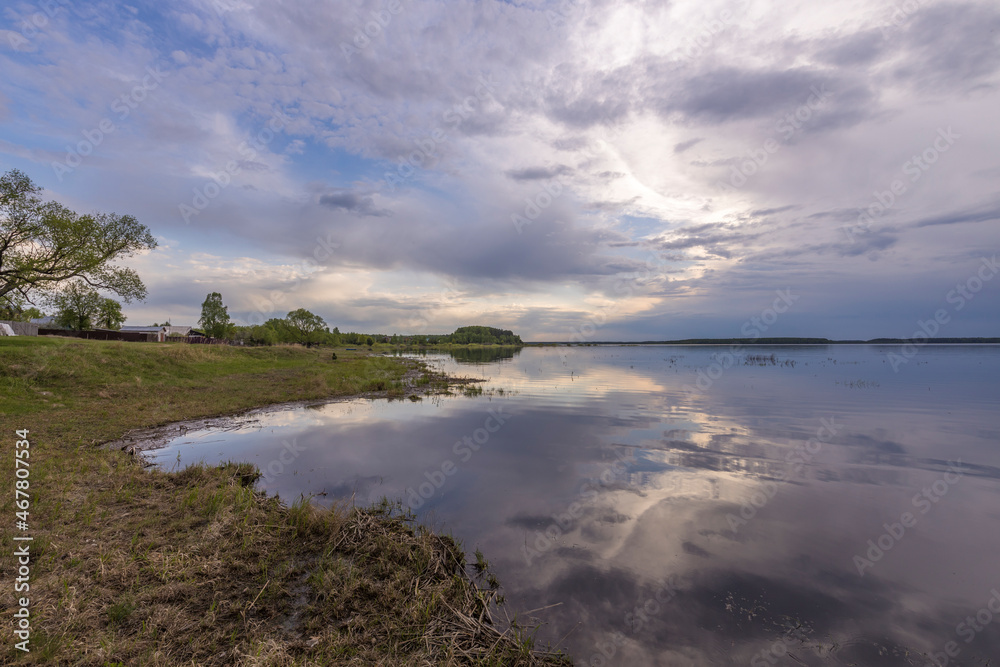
[690, 505]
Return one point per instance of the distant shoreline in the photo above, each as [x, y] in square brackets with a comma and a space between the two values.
[781, 341]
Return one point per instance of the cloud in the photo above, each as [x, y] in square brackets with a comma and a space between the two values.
[988, 213]
[351, 201]
[684, 145]
[475, 107]
[538, 173]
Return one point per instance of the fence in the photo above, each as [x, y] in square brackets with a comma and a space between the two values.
[103, 334]
[22, 328]
[207, 340]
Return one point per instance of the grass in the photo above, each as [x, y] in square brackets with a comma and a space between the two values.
[131, 566]
[766, 360]
[860, 384]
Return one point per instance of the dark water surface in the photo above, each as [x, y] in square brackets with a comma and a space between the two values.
[820, 509]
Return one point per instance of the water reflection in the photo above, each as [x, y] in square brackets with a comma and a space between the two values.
[470, 355]
[681, 526]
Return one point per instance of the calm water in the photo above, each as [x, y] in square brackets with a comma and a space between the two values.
[678, 521]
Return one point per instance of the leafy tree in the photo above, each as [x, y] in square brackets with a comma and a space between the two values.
[29, 314]
[370, 341]
[10, 306]
[76, 305]
[214, 316]
[13, 309]
[44, 245]
[305, 325]
[483, 336]
[263, 335]
[109, 315]
[282, 332]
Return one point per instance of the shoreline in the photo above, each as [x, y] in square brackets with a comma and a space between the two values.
[139, 440]
[136, 565]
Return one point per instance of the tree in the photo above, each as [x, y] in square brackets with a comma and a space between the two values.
[29, 314]
[109, 315]
[260, 334]
[13, 309]
[214, 316]
[44, 245]
[305, 325]
[482, 335]
[76, 305]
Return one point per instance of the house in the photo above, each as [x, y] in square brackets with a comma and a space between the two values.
[162, 332]
[179, 331]
[158, 331]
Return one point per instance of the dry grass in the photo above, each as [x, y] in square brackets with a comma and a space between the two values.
[131, 566]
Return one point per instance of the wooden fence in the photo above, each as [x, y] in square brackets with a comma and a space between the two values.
[102, 334]
[24, 329]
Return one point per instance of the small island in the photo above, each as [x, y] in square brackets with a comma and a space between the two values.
[463, 336]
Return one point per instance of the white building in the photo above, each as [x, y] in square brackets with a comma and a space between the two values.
[162, 332]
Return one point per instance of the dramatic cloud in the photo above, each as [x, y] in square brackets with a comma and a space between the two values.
[640, 170]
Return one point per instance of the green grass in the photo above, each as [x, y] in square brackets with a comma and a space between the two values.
[137, 385]
[134, 566]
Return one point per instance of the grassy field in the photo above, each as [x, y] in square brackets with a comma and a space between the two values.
[132, 566]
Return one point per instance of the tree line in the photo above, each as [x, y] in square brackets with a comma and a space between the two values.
[306, 328]
[68, 262]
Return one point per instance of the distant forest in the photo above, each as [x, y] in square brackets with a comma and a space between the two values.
[799, 341]
[301, 326]
[478, 335]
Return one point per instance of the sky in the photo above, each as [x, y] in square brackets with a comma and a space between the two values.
[576, 170]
